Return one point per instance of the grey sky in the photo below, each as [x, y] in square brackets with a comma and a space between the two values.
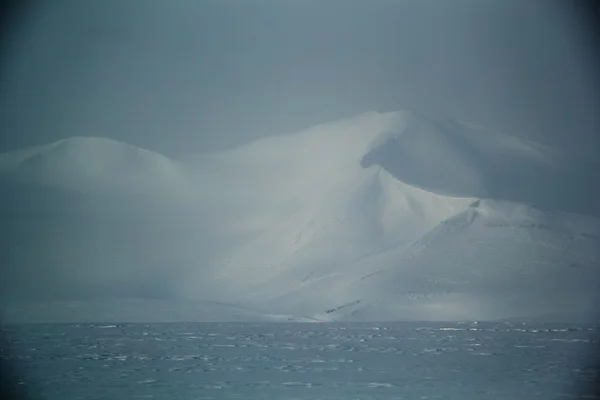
[198, 76]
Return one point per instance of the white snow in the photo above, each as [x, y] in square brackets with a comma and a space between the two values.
[492, 261]
[382, 216]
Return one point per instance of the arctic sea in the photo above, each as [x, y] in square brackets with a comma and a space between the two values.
[301, 361]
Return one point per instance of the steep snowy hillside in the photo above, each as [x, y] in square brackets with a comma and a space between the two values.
[95, 165]
[369, 213]
[495, 260]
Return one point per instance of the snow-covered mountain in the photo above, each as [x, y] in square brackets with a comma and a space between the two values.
[377, 217]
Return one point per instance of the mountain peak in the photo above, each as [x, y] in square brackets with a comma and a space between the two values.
[461, 159]
[91, 164]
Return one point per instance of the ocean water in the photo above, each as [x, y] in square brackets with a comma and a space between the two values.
[301, 361]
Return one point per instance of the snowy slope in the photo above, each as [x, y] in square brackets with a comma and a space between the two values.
[456, 158]
[95, 165]
[367, 214]
[343, 223]
[495, 260]
[380, 216]
[256, 186]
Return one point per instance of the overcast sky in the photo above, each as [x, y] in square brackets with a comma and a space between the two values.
[191, 76]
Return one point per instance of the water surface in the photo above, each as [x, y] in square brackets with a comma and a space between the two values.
[301, 361]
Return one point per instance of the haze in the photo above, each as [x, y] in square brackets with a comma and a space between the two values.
[190, 77]
[299, 161]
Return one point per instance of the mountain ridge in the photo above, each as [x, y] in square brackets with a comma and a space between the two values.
[344, 221]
